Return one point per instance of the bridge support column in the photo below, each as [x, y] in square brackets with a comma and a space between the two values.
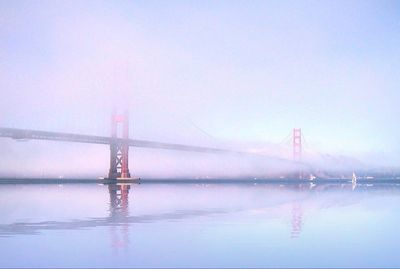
[296, 145]
[119, 150]
[297, 148]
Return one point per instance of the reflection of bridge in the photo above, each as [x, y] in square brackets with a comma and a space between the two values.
[119, 211]
[119, 218]
[297, 220]
[120, 142]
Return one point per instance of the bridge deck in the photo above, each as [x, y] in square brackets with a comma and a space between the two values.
[15, 133]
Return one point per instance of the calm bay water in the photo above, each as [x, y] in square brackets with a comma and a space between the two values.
[189, 225]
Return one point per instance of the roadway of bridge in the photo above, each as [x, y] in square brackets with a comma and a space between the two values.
[26, 134]
[22, 134]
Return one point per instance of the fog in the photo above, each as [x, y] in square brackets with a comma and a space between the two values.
[233, 74]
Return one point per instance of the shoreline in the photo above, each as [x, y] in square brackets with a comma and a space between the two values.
[5, 181]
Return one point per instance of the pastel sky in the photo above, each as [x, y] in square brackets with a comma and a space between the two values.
[203, 72]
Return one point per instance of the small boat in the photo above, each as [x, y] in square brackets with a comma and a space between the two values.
[354, 178]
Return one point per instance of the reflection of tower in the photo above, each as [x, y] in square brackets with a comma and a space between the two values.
[297, 220]
[119, 211]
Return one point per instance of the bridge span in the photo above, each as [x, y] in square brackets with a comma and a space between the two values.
[16, 133]
[119, 143]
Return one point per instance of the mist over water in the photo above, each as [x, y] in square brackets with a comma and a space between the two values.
[238, 225]
[236, 76]
[230, 75]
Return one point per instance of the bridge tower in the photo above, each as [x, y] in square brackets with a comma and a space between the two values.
[297, 148]
[297, 144]
[119, 150]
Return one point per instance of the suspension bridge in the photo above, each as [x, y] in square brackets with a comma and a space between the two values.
[119, 143]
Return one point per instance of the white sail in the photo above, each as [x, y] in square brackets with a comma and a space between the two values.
[354, 178]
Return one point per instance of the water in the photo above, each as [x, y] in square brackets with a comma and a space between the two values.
[189, 225]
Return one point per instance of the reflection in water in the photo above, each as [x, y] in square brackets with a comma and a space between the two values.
[297, 215]
[119, 211]
[353, 185]
[220, 225]
[119, 218]
[119, 200]
[297, 210]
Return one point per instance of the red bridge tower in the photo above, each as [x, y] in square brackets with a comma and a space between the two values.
[119, 150]
[297, 144]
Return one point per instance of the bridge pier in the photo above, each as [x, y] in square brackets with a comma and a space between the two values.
[119, 150]
[297, 148]
[297, 144]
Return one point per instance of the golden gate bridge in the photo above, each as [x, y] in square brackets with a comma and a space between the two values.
[120, 143]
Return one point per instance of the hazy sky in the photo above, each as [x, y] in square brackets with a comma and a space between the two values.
[242, 71]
